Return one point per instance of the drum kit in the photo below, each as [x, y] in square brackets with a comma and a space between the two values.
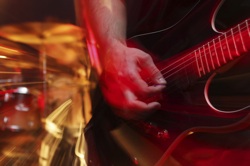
[44, 86]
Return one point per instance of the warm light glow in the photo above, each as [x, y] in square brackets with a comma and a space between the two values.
[93, 53]
[190, 133]
[53, 124]
[23, 90]
[54, 121]
[48, 149]
[3, 57]
[6, 72]
[53, 129]
[80, 149]
[127, 138]
[10, 50]
[17, 83]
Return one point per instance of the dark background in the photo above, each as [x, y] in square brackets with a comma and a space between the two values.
[36, 10]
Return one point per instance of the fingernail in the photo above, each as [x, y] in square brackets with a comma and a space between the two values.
[162, 81]
[159, 85]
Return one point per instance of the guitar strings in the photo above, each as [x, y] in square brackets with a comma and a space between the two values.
[165, 29]
[186, 60]
[176, 65]
[189, 59]
[240, 125]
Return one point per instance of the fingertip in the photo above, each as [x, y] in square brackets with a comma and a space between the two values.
[154, 105]
[157, 88]
[161, 81]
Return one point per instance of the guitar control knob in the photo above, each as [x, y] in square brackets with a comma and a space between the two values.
[163, 134]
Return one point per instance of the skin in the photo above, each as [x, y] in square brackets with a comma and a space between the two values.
[124, 69]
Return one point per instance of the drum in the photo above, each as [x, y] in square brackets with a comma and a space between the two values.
[44, 92]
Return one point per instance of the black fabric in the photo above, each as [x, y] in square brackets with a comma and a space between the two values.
[145, 16]
[102, 148]
[185, 22]
[14, 12]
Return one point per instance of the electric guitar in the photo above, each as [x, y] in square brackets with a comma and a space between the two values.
[198, 51]
[184, 110]
[203, 61]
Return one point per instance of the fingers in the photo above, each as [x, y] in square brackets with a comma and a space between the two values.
[136, 105]
[140, 110]
[127, 104]
[126, 88]
[138, 78]
[141, 89]
[131, 107]
[150, 70]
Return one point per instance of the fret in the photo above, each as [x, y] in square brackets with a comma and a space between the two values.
[228, 48]
[219, 51]
[246, 35]
[241, 39]
[222, 51]
[199, 69]
[238, 40]
[247, 27]
[202, 63]
[235, 46]
[205, 56]
[223, 48]
[216, 53]
[193, 70]
[187, 74]
[211, 56]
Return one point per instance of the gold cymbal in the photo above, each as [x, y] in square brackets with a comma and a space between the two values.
[42, 32]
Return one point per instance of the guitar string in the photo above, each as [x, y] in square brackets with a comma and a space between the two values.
[203, 53]
[165, 29]
[184, 62]
[242, 124]
[183, 65]
[18, 160]
[242, 28]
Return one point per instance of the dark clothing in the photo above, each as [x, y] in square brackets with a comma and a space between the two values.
[146, 16]
[185, 23]
[201, 149]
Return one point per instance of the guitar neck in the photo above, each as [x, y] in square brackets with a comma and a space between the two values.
[209, 56]
[222, 49]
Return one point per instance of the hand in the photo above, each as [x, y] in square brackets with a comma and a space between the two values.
[124, 85]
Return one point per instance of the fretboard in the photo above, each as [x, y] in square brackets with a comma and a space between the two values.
[222, 49]
[183, 70]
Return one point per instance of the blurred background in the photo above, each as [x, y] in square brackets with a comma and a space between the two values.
[44, 83]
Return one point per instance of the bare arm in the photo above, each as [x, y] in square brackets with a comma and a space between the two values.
[123, 67]
[107, 18]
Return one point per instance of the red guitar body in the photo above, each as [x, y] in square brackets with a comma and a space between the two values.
[203, 115]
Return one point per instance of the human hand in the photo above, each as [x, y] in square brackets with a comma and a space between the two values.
[125, 72]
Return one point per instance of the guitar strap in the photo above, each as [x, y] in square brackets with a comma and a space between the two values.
[166, 15]
[103, 148]
[146, 16]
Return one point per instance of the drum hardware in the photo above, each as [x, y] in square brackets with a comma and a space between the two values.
[39, 33]
[60, 46]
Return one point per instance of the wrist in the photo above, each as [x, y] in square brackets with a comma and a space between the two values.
[111, 47]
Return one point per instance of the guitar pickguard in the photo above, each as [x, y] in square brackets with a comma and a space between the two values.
[198, 26]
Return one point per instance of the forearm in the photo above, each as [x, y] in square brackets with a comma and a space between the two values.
[122, 67]
[107, 20]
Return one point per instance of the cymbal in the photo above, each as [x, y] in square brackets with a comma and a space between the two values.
[42, 32]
